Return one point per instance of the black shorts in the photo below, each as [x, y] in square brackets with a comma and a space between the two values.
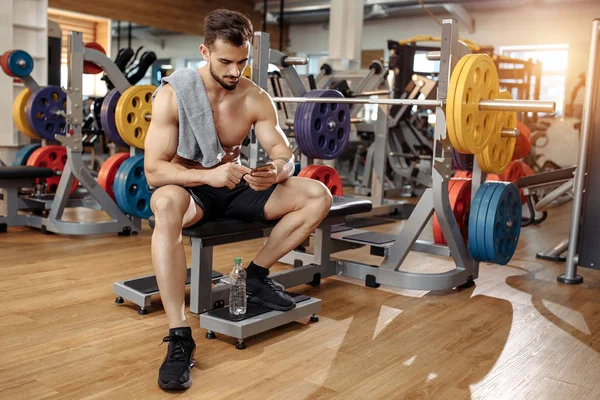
[241, 202]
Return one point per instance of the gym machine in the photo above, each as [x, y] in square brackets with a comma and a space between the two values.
[65, 128]
[498, 232]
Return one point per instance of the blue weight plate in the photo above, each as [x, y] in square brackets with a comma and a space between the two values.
[41, 108]
[500, 237]
[107, 117]
[485, 209]
[473, 218]
[131, 188]
[322, 129]
[297, 168]
[24, 153]
[20, 63]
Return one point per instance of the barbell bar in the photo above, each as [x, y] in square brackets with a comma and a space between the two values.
[491, 105]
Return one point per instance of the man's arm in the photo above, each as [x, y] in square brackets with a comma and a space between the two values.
[161, 145]
[272, 139]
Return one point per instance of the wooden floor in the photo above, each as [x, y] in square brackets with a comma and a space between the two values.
[517, 334]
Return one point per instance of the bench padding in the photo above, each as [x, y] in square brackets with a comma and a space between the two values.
[546, 177]
[341, 207]
[25, 172]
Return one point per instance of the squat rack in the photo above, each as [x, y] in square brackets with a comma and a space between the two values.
[433, 199]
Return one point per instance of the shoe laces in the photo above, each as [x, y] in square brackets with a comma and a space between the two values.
[271, 284]
[179, 350]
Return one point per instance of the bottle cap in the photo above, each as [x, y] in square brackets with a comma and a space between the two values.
[237, 260]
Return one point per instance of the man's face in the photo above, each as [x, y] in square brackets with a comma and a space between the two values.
[226, 62]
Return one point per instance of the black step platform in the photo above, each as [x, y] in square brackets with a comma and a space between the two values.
[252, 310]
[148, 284]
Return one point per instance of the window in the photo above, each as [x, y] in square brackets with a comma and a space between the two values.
[554, 68]
[94, 29]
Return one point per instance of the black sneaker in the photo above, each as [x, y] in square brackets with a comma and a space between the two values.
[264, 291]
[175, 371]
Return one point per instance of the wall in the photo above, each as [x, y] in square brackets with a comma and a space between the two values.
[528, 25]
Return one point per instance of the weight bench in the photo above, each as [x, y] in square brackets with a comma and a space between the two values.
[210, 302]
[11, 180]
[563, 178]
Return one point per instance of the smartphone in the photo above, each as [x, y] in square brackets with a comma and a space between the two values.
[263, 167]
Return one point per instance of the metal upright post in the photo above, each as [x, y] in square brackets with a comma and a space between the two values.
[260, 76]
[570, 275]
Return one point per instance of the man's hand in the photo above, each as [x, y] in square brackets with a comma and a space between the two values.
[262, 179]
[229, 175]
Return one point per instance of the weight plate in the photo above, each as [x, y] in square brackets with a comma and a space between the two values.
[20, 116]
[453, 131]
[326, 175]
[459, 196]
[503, 223]
[90, 67]
[131, 188]
[523, 142]
[322, 129]
[107, 117]
[297, 168]
[108, 171]
[495, 222]
[462, 162]
[4, 63]
[498, 154]
[55, 158]
[41, 108]
[476, 206]
[477, 80]
[133, 105]
[24, 153]
[17, 63]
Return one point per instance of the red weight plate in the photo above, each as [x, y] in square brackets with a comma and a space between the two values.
[459, 195]
[88, 66]
[463, 174]
[4, 63]
[55, 158]
[106, 175]
[327, 175]
[523, 143]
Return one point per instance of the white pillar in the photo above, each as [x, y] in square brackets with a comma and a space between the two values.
[345, 34]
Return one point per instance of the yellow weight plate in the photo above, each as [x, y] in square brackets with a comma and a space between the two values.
[453, 133]
[496, 157]
[477, 81]
[133, 105]
[20, 116]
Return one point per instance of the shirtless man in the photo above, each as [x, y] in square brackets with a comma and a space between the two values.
[189, 192]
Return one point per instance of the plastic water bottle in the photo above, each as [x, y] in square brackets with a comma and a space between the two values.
[237, 294]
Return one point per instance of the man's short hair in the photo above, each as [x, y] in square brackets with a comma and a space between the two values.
[230, 26]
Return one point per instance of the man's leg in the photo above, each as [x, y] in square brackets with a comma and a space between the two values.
[173, 209]
[303, 204]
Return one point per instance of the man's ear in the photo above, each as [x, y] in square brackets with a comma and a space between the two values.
[205, 52]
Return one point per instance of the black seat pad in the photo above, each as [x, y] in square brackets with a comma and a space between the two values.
[546, 177]
[342, 206]
[25, 172]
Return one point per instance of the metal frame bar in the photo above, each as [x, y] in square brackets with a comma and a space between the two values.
[587, 124]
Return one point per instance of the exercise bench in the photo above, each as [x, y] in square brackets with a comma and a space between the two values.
[210, 302]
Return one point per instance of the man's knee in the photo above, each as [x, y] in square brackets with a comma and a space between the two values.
[318, 196]
[168, 206]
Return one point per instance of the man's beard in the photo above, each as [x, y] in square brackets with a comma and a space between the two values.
[225, 86]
